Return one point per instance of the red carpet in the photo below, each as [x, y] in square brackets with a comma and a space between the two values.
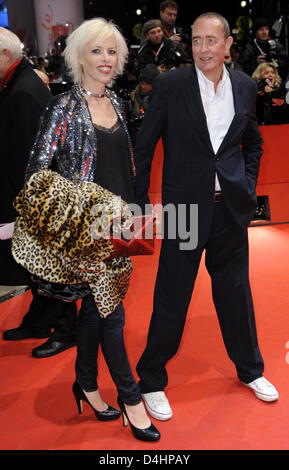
[211, 409]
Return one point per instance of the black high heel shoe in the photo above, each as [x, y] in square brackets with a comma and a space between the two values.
[147, 434]
[106, 415]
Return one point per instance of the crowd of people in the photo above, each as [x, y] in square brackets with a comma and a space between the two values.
[77, 149]
[167, 45]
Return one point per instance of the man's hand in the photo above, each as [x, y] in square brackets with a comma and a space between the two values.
[261, 58]
[175, 37]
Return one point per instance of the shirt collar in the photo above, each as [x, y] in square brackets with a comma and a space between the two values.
[206, 84]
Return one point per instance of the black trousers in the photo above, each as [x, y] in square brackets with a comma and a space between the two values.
[93, 330]
[45, 313]
[227, 264]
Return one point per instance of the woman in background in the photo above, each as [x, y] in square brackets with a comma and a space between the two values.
[271, 107]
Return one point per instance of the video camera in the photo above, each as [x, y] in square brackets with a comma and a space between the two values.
[270, 50]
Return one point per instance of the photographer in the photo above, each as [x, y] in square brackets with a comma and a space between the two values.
[263, 49]
[271, 107]
[168, 17]
[139, 99]
[159, 50]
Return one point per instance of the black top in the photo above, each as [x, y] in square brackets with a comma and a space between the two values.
[113, 166]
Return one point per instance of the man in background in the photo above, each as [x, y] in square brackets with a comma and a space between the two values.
[159, 50]
[23, 97]
[263, 48]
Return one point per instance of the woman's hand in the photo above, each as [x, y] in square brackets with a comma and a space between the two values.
[6, 231]
[277, 102]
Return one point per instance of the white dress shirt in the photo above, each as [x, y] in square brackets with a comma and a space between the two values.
[219, 109]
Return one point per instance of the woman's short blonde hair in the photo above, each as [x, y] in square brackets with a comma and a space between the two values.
[100, 29]
[259, 72]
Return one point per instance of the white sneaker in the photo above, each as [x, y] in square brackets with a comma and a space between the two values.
[263, 389]
[157, 405]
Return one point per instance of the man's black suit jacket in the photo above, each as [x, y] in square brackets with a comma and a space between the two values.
[22, 102]
[176, 114]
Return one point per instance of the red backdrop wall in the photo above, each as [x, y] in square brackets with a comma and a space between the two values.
[273, 178]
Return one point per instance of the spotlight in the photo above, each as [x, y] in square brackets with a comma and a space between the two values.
[243, 4]
[138, 12]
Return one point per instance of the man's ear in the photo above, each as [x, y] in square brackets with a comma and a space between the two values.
[7, 55]
[229, 42]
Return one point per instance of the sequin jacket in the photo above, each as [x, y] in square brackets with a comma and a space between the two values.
[67, 144]
[66, 141]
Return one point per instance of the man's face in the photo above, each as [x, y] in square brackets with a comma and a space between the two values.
[169, 15]
[155, 35]
[210, 46]
[262, 33]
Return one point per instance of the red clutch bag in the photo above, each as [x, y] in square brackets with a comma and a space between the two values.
[138, 240]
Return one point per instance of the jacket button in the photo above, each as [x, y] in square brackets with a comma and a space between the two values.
[217, 159]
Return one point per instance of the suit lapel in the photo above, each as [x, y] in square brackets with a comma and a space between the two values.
[192, 96]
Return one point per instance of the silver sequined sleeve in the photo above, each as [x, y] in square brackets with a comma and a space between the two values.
[49, 140]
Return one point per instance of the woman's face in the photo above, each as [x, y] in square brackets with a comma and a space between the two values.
[99, 60]
[270, 73]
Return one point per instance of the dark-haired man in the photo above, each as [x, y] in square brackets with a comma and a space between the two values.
[205, 115]
[159, 50]
[174, 32]
[263, 48]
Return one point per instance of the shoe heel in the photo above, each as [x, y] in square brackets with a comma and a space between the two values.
[79, 406]
[107, 415]
[124, 420]
[149, 434]
[77, 398]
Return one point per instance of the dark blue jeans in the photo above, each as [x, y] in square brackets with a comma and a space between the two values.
[93, 330]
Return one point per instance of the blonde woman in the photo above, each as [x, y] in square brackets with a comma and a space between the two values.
[84, 136]
[271, 106]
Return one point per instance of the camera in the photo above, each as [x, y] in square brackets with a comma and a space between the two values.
[186, 38]
[269, 49]
[173, 61]
[273, 47]
[263, 83]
